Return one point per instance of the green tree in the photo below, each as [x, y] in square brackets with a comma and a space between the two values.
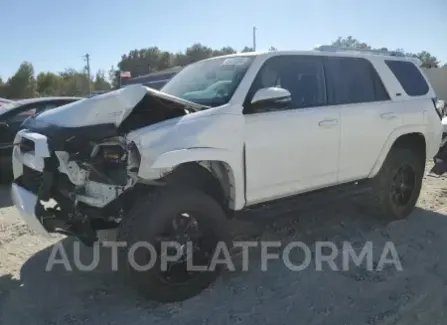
[48, 84]
[428, 60]
[247, 49]
[350, 42]
[71, 82]
[74, 83]
[22, 84]
[152, 59]
[2, 88]
[114, 77]
[224, 51]
[100, 83]
[197, 52]
[143, 61]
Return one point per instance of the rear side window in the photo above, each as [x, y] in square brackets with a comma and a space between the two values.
[355, 80]
[409, 76]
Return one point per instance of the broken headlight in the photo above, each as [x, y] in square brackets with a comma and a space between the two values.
[109, 164]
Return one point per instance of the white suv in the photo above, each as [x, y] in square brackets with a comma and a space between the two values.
[224, 134]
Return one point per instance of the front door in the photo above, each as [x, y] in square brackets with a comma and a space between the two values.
[295, 149]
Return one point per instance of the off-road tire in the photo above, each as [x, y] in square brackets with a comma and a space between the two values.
[381, 184]
[147, 218]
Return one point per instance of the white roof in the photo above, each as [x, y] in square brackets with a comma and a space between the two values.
[339, 52]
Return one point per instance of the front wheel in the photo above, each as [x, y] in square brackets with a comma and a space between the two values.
[190, 225]
[398, 185]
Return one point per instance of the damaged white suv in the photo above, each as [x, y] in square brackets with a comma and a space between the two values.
[223, 135]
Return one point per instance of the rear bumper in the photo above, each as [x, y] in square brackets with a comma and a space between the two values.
[25, 202]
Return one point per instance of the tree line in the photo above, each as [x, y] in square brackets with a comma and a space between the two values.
[71, 82]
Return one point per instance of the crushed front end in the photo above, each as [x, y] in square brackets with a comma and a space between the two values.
[76, 186]
[75, 172]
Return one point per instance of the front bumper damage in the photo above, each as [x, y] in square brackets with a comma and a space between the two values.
[25, 201]
[26, 196]
[35, 172]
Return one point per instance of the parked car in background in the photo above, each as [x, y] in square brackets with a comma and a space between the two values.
[13, 114]
[96, 93]
[154, 80]
[4, 101]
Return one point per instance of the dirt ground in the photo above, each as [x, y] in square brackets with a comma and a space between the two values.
[415, 295]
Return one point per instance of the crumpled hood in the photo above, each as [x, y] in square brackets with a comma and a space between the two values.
[109, 108]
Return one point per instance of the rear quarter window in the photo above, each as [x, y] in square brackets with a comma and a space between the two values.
[355, 80]
[409, 76]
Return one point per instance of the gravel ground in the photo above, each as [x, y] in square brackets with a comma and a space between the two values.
[415, 295]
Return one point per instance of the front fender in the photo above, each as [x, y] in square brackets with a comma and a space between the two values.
[171, 159]
[176, 157]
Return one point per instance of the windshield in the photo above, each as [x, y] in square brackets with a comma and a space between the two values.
[210, 82]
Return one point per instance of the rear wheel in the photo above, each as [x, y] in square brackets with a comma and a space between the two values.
[398, 184]
[189, 224]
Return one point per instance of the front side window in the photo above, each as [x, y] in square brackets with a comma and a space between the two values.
[302, 76]
[210, 82]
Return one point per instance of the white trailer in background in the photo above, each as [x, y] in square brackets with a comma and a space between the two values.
[438, 79]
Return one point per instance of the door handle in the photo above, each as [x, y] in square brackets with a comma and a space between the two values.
[327, 123]
[388, 116]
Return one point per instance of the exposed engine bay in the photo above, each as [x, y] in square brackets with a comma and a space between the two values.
[102, 171]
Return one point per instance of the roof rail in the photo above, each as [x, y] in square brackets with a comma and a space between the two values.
[331, 48]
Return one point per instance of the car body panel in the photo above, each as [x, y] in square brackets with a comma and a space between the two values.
[109, 108]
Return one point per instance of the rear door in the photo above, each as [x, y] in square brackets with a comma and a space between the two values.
[368, 115]
[417, 101]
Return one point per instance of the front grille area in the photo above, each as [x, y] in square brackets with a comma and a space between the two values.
[31, 179]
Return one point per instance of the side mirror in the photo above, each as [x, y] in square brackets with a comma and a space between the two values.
[272, 97]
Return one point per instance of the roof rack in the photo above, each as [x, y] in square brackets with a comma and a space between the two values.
[331, 48]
